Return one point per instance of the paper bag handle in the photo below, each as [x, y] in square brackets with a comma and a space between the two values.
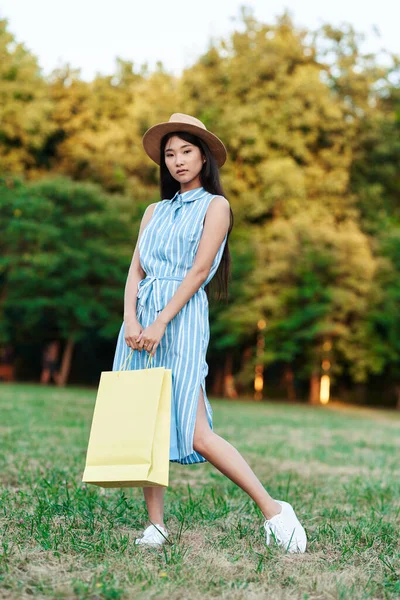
[130, 356]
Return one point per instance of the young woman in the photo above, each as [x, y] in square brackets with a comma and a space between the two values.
[182, 244]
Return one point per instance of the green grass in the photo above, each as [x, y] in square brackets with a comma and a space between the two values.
[338, 466]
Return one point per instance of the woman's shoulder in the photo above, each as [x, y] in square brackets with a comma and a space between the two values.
[156, 206]
[218, 200]
[211, 195]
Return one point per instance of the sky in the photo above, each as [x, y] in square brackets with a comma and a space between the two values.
[90, 34]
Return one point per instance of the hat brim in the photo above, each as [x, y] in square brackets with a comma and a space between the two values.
[153, 136]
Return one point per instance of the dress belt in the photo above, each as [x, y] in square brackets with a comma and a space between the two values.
[152, 282]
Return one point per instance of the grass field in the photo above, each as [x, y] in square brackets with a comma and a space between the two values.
[338, 466]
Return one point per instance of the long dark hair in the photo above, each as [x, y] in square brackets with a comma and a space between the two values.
[209, 179]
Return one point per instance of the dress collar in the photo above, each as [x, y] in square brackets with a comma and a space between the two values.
[190, 195]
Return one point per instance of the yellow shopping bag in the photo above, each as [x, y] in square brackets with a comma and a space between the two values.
[130, 434]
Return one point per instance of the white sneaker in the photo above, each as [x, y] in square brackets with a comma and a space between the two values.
[286, 529]
[153, 535]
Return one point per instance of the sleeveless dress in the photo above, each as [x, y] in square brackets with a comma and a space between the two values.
[167, 249]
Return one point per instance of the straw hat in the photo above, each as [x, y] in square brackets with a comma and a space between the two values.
[180, 122]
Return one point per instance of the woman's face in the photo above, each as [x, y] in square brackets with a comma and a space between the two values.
[184, 161]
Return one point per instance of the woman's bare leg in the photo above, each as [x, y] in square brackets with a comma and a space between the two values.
[154, 497]
[230, 462]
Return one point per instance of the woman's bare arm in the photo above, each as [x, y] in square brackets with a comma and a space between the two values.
[216, 226]
[136, 272]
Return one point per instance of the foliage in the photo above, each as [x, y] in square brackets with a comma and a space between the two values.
[64, 257]
[312, 128]
[25, 107]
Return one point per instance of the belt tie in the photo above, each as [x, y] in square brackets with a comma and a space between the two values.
[152, 282]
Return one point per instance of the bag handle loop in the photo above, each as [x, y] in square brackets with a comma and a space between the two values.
[130, 357]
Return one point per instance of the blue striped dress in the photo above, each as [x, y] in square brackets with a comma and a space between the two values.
[167, 249]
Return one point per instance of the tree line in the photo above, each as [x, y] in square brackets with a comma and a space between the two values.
[311, 125]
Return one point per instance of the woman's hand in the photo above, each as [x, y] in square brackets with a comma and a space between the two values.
[151, 336]
[132, 330]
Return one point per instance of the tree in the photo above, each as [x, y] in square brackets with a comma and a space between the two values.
[25, 107]
[312, 282]
[65, 254]
[264, 92]
[100, 127]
